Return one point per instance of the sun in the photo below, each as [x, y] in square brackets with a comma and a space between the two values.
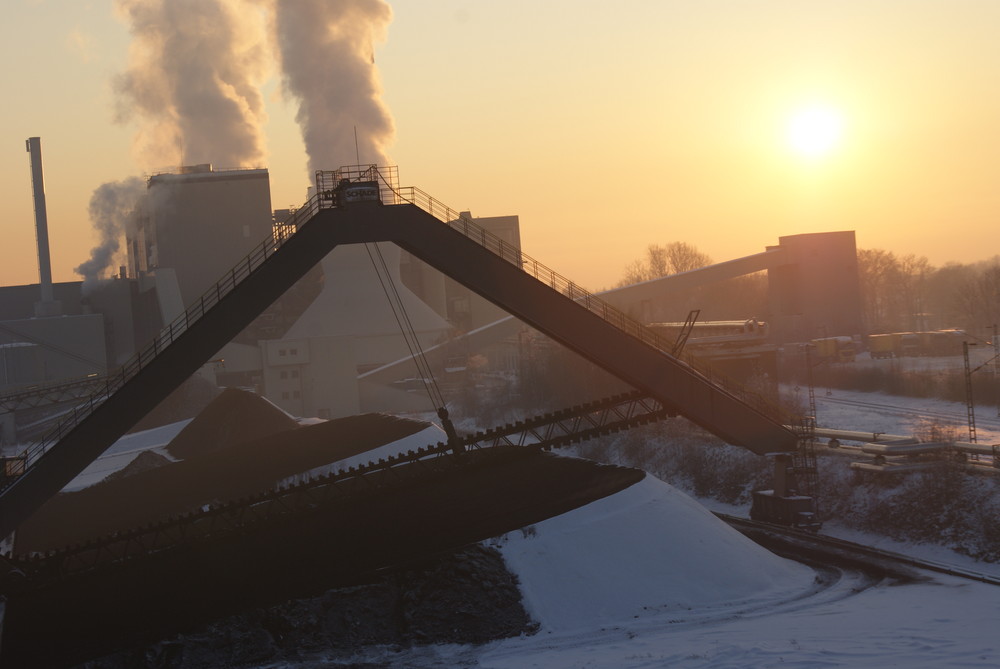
[815, 131]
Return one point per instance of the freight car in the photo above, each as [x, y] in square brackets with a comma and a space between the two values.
[835, 349]
[708, 333]
[912, 344]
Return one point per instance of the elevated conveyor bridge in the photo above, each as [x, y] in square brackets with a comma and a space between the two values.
[353, 206]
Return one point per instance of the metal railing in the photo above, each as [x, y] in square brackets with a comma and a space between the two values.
[117, 379]
[391, 194]
[512, 254]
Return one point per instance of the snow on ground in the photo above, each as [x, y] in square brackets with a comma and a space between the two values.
[609, 581]
[647, 578]
[897, 414]
[648, 550]
[943, 623]
[124, 451]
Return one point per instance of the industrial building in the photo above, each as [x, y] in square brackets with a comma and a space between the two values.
[189, 228]
[198, 223]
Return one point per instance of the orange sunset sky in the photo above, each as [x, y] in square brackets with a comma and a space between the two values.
[605, 126]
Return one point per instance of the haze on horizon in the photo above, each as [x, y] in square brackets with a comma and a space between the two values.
[604, 127]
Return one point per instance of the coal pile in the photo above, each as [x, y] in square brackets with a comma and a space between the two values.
[350, 541]
[240, 445]
[466, 596]
[234, 417]
[397, 562]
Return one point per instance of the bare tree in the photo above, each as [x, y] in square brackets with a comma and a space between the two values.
[664, 260]
[978, 296]
[948, 296]
[684, 257]
[876, 268]
[911, 283]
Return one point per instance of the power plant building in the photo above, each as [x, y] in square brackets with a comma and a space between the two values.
[199, 223]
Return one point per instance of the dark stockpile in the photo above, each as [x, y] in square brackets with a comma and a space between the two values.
[187, 401]
[220, 467]
[466, 596]
[350, 541]
[234, 417]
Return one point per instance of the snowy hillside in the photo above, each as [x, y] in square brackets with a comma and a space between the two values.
[648, 550]
[648, 578]
[645, 578]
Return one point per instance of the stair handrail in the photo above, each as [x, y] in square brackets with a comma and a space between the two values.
[141, 359]
[459, 221]
[462, 222]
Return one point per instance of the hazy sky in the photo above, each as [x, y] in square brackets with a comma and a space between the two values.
[606, 126]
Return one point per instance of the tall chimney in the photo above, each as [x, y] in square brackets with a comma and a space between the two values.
[47, 306]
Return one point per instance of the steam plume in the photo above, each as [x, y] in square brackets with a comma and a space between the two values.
[328, 65]
[112, 206]
[193, 81]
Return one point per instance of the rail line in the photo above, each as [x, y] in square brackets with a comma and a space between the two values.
[792, 542]
[960, 418]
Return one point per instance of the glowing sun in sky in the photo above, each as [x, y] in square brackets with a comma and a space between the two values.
[815, 131]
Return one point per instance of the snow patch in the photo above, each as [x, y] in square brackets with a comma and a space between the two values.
[121, 453]
[646, 550]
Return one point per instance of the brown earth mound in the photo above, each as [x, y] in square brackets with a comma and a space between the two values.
[233, 417]
[227, 473]
[465, 596]
[186, 402]
[143, 462]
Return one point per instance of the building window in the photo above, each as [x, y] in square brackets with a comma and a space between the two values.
[293, 351]
[281, 351]
[295, 394]
[283, 375]
[295, 373]
[284, 395]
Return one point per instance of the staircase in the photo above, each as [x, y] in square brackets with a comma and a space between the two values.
[39, 471]
[511, 254]
[412, 219]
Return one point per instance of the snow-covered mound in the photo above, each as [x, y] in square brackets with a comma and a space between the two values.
[646, 550]
[126, 450]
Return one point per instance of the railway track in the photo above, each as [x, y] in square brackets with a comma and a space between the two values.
[807, 546]
[983, 422]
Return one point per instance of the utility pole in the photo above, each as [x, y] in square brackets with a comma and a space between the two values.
[970, 406]
[996, 365]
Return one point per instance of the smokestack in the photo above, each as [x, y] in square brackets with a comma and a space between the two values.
[47, 306]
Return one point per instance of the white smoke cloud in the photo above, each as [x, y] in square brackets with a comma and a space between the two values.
[193, 81]
[112, 207]
[193, 84]
[328, 65]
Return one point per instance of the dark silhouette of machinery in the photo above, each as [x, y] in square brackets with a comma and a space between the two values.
[355, 205]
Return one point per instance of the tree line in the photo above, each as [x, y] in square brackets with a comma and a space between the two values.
[907, 293]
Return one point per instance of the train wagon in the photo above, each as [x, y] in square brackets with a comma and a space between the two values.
[835, 349]
[881, 346]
